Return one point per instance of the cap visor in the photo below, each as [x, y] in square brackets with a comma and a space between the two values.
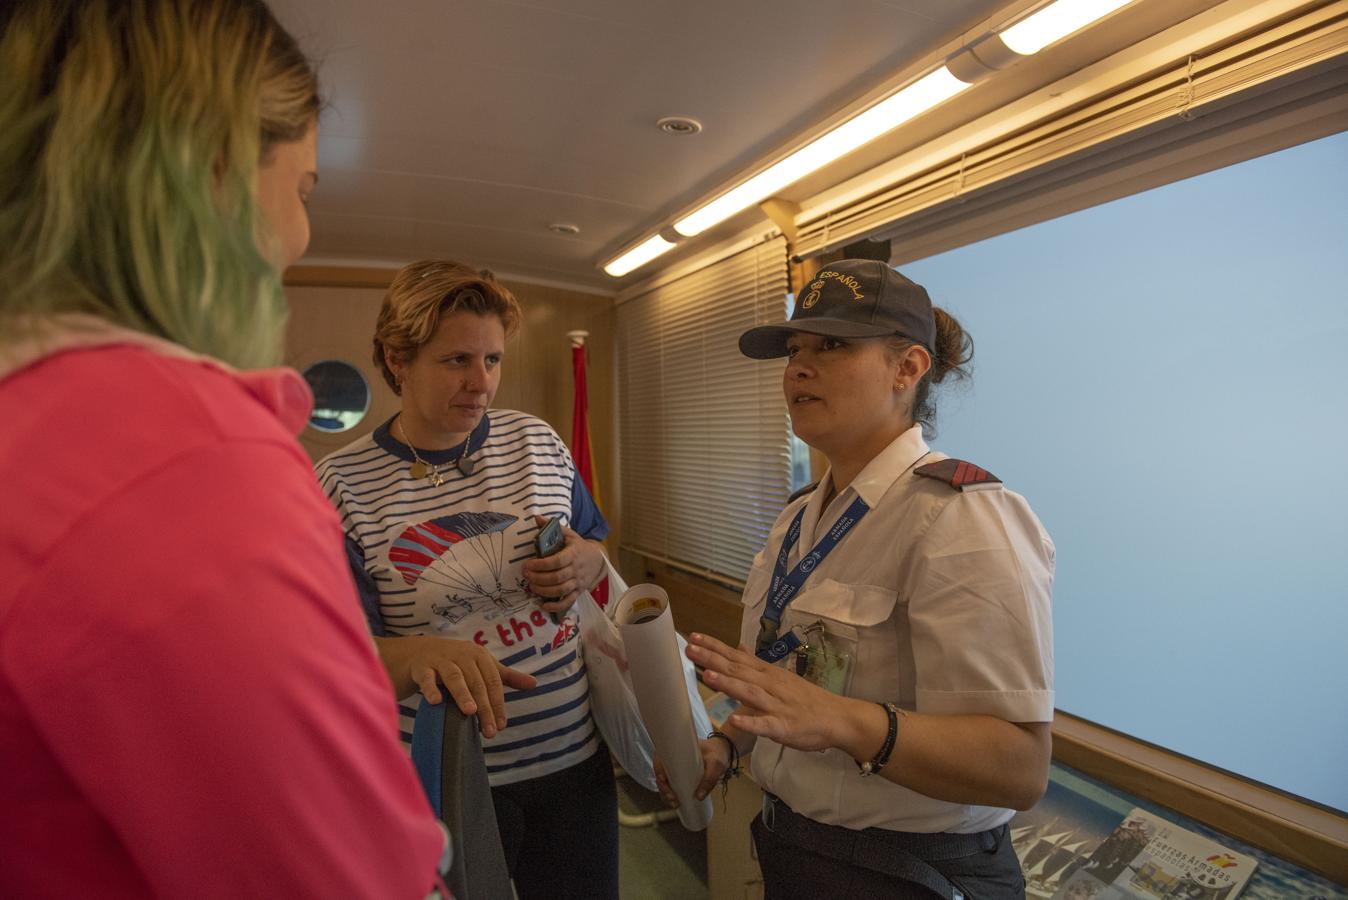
[769, 341]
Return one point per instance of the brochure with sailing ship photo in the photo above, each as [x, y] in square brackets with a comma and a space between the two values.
[1148, 858]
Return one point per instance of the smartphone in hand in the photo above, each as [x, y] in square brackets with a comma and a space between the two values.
[550, 538]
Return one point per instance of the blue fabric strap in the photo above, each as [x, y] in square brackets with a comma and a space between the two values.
[428, 738]
[780, 648]
[786, 585]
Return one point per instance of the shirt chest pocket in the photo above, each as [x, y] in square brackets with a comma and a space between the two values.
[854, 619]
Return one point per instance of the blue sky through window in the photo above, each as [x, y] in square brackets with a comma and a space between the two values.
[1163, 377]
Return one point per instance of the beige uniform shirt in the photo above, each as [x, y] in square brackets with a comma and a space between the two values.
[943, 596]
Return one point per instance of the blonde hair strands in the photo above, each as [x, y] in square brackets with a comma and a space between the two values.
[131, 132]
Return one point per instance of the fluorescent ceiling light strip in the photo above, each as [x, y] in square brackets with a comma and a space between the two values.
[885, 116]
[1055, 21]
[638, 256]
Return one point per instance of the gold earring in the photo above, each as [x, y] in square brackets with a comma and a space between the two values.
[901, 385]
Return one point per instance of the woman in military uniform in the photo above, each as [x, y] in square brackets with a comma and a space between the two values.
[895, 674]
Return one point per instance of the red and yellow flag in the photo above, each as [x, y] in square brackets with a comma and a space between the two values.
[581, 451]
[580, 424]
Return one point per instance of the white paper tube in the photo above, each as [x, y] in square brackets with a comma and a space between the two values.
[656, 669]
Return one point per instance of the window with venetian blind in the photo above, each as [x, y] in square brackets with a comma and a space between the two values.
[706, 457]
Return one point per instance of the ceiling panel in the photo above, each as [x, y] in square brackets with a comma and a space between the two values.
[453, 200]
[460, 115]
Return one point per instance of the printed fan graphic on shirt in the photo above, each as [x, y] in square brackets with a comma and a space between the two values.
[445, 550]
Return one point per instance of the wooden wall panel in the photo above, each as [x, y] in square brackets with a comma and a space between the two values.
[337, 323]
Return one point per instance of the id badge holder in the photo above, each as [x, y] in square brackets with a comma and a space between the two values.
[825, 658]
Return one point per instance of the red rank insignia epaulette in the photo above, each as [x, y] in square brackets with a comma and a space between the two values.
[960, 475]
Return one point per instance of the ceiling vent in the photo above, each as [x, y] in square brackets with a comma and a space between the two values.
[678, 125]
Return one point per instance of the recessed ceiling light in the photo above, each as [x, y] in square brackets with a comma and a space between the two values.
[564, 228]
[678, 125]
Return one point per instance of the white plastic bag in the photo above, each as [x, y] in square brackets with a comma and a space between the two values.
[613, 701]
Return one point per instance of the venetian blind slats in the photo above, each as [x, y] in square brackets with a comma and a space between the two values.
[704, 430]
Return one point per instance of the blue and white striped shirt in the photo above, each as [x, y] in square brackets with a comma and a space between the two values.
[448, 561]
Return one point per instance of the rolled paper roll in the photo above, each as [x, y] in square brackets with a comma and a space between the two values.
[656, 667]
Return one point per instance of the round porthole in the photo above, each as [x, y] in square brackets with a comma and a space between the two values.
[341, 395]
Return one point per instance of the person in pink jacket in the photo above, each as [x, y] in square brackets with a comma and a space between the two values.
[190, 704]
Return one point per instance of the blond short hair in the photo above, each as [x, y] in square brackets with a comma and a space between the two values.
[423, 292]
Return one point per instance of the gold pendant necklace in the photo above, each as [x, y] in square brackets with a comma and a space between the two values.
[420, 468]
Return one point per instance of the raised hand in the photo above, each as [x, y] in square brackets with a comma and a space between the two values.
[774, 703]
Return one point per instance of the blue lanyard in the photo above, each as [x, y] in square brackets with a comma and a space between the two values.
[785, 586]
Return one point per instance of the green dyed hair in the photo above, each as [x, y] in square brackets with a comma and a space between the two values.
[131, 132]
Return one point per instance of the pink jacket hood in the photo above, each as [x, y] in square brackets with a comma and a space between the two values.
[281, 390]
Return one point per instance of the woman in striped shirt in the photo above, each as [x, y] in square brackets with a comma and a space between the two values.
[442, 507]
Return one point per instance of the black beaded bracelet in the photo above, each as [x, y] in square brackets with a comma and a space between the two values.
[733, 767]
[887, 748]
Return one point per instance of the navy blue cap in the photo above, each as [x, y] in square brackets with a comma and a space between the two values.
[851, 298]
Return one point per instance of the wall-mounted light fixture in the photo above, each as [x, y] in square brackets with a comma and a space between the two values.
[883, 117]
[638, 256]
[1052, 23]
[973, 62]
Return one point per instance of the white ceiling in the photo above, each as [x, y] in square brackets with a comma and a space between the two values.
[463, 128]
